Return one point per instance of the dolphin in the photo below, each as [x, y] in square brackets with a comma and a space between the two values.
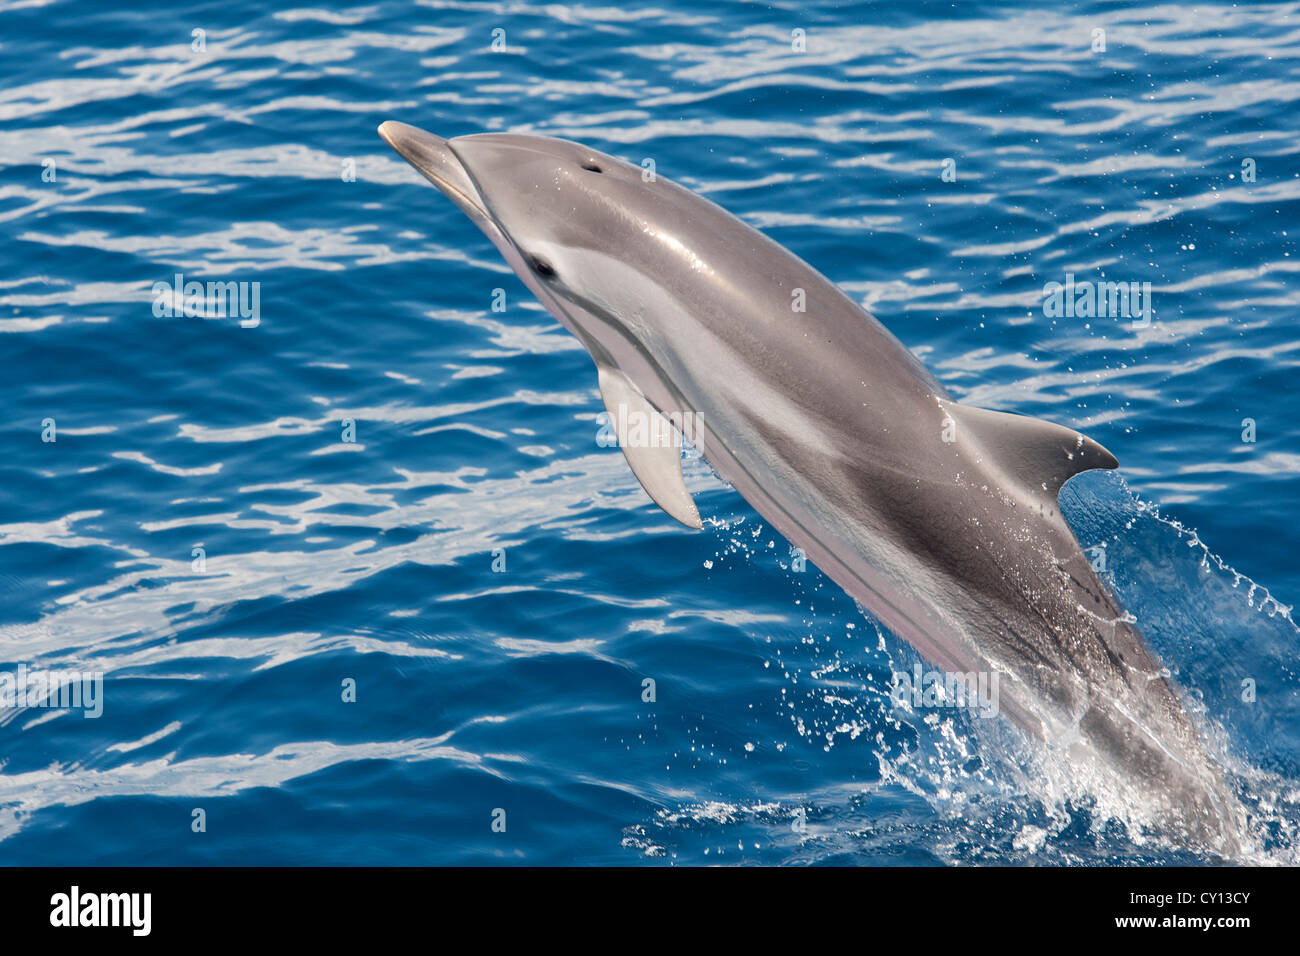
[939, 518]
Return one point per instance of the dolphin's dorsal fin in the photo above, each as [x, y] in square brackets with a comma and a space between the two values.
[1041, 455]
[651, 445]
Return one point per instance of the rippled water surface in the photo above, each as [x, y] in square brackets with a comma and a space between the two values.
[202, 532]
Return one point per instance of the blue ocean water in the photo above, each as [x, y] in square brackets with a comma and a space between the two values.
[202, 533]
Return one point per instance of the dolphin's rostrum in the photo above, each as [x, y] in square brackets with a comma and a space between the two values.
[938, 517]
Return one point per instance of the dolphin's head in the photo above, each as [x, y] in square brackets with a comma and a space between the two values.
[555, 209]
[599, 245]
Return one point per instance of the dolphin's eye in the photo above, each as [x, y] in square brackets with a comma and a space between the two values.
[590, 167]
[541, 267]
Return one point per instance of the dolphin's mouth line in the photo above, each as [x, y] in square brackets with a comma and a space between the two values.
[434, 158]
[462, 198]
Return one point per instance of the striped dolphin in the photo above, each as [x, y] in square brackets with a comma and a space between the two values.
[940, 518]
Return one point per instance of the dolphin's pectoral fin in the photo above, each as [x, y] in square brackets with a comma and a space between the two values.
[1042, 455]
[651, 445]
